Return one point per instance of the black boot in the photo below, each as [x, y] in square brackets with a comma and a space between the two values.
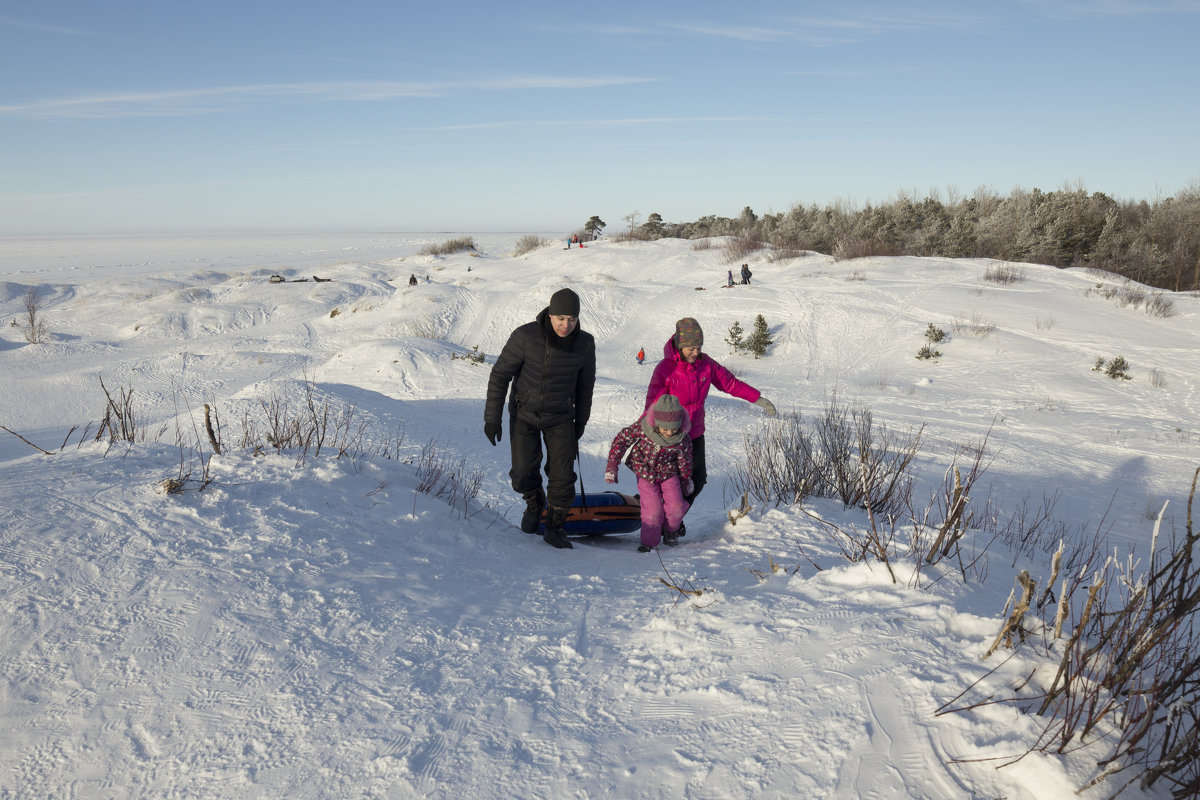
[671, 538]
[531, 520]
[554, 535]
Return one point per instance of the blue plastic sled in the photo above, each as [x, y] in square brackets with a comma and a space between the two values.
[602, 512]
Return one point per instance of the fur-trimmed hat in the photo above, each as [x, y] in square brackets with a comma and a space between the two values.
[688, 333]
[564, 303]
[667, 413]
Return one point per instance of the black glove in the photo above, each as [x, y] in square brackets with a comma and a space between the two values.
[493, 431]
[579, 426]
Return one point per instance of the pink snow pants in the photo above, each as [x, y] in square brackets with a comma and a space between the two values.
[661, 503]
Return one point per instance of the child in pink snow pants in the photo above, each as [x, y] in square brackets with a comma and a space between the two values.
[660, 455]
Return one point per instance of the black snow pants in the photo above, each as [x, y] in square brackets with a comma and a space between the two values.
[561, 448]
[699, 469]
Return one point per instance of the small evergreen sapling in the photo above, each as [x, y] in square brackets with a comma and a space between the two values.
[760, 338]
[474, 358]
[933, 335]
[1114, 368]
[736, 337]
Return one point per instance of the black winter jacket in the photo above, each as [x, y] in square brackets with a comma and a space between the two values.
[552, 377]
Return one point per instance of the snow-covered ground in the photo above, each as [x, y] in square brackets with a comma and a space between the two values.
[318, 628]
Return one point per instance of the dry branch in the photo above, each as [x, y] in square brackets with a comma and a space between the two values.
[26, 441]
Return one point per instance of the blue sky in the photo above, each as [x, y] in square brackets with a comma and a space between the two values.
[156, 116]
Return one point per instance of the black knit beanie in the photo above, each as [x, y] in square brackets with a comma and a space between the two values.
[564, 303]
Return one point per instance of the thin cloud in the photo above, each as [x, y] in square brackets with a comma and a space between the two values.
[585, 123]
[830, 30]
[1112, 8]
[222, 99]
[43, 27]
[740, 32]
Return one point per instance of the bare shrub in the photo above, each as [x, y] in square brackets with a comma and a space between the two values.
[1160, 305]
[785, 254]
[740, 247]
[847, 248]
[782, 463]
[1033, 530]
[632, 235]
[1003, 274]
[1157, 379]
[439, 476]
[1127, 665]
[1131, 295]
[704, 244]
[309, 424]
[952, 506]
[976, 326]
[528, 243]
[844, 455]
[1045, 323]
[449, 247]
[121, 422]
[33, 324]
[847, 456]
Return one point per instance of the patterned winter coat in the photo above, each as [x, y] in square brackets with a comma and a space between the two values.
[691, 382]
[651, 457]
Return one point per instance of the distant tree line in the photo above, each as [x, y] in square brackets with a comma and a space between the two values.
[1156, 243]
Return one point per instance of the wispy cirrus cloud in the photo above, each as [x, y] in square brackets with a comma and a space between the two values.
[585, 123]
[43, 27]
[1078, 9]
[224, 99]
[814, 31]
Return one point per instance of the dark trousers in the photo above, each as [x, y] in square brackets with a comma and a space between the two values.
[561, 447]
[699, 470]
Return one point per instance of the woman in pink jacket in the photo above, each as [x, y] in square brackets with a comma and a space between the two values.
[688, 373]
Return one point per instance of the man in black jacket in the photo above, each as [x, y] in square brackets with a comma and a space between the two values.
[551, 364]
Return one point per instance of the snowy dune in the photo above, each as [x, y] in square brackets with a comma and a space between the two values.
[321, 629]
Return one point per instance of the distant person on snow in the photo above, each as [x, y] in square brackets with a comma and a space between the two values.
[551, 364]
[641, 356]
[730, 278]
[688, 373]
[660, 455]
[746, 273]
[412, 279]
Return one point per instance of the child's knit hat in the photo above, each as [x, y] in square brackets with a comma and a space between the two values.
[668, 413]
[688, 333]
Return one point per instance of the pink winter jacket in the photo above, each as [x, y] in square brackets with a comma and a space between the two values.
[690, 383]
